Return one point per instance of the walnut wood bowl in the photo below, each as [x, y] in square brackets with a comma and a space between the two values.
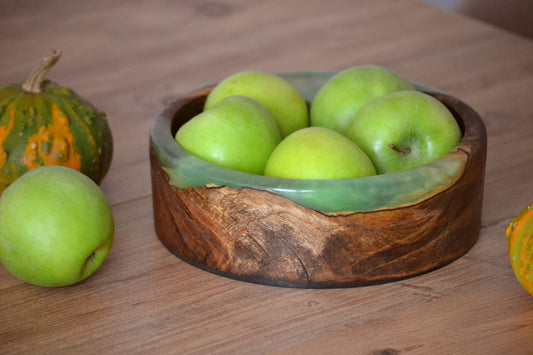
[316, 233]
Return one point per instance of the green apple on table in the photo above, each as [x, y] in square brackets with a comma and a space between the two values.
[237, 133]
[404, 130]
[318, 153]
[277, 95]
[339, 99]
[56, 227]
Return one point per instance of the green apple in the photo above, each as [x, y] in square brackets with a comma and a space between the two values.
[339, 99]
[318, 153]
[56, 227]
[404, 130]
[277, 95]
[237, 133]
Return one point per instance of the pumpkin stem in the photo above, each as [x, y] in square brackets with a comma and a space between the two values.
[33, 84]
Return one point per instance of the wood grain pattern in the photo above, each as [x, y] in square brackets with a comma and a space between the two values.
[131, 58]
[258, 236]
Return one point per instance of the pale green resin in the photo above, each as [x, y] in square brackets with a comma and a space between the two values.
[347, 195]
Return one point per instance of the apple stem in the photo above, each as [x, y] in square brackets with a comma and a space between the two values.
[401, 151]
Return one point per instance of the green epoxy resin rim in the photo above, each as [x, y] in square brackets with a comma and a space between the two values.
[326, 196]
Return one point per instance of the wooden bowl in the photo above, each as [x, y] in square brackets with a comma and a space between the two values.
[316, 233]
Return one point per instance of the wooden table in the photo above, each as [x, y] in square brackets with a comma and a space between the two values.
[130, 58]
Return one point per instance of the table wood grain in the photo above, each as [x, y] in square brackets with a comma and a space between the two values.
[130, 58]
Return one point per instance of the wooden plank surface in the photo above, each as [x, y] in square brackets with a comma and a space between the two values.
[131, 57]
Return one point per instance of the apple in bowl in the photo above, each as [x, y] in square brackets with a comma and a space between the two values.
[318, 153]
[404, 130]
[346, 92]
[237, 133]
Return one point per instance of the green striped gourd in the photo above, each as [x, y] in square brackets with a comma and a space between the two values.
[42, 123]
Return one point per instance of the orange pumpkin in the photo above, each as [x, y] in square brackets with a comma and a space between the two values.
[520, 246]
[42, 123]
